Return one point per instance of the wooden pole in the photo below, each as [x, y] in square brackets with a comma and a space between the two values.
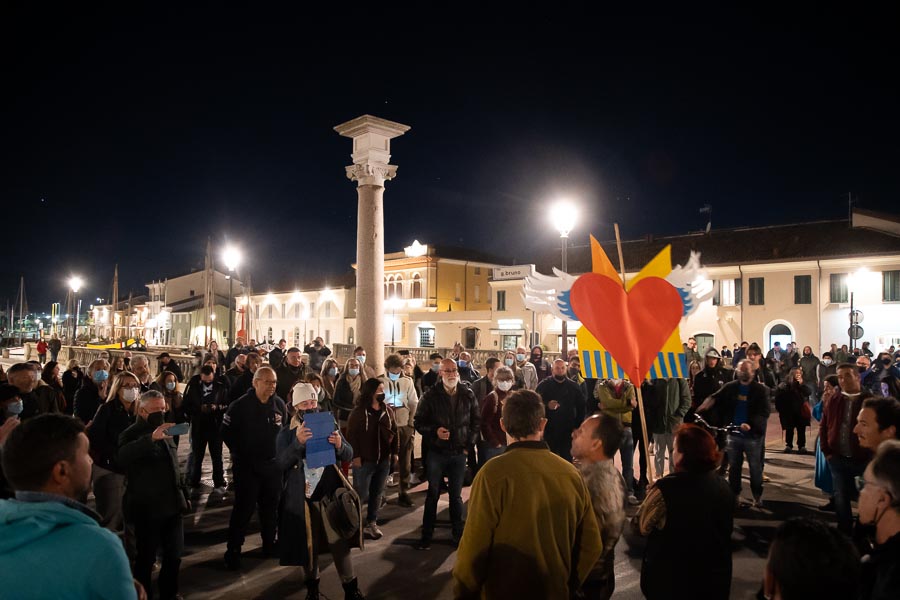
[636, 384]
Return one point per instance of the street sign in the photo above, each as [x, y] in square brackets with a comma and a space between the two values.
[855, 332]
[856, 317]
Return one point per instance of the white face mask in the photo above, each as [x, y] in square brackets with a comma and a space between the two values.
[129, 395]
[504, 386]
[827, 362]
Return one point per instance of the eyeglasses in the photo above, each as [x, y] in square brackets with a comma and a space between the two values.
[860, 482]
[449, 370]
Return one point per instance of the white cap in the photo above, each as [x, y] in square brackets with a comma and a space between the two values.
[303, 392]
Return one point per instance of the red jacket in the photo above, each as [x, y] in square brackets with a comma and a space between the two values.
[42, 347]
[830, 426]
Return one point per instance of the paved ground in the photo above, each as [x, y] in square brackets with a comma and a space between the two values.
[393, 568]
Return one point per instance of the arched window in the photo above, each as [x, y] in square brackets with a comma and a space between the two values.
[350, 339]
[398, 291]
[416, 287]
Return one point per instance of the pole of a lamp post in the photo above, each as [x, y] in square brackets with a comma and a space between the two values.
[850, 347]
[565, 329]
[393, 321]
[230, 309]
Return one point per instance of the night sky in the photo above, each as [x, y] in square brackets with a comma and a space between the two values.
[131, 138]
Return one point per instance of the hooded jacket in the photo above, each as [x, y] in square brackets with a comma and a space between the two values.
[39, 543]
[401, 396]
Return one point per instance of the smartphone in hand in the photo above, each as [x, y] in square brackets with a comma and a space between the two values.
[179, 429]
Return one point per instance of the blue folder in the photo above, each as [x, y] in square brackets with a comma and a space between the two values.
[319, 451]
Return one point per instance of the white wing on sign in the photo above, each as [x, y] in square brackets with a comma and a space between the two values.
[692, 283]
[547, 294]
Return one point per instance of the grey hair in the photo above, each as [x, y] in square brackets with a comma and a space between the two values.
[259, 371]
[147, 396]
[140, 358]
[504, 371]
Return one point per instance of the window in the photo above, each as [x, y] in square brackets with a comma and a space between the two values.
[328, 310]
[802, 289]
[728, 293]
[297, 312]
[426, 337]
[257, 312]
[478, 270]
[501, 300]
[269, 336]
[312, 335]
[477, 293]
[416, 286]
[327, 336]
[757, 291]
[839, 288]
[269, 312]
[458, 294]
[312, 309]
[191, 293]
[398, 291]
[297, 336]
[890, 286]
[283, 312]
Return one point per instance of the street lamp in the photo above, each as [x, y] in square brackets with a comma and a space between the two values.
[395, 303]
[232, 258]
[853, 281]
[75, 283]
[563, 215]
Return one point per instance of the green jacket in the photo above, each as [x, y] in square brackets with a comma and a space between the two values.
[674, 398]
[617, 407]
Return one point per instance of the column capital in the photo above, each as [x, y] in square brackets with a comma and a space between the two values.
[371, 173]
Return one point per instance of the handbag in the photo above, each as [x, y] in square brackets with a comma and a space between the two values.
[342, 511]
[805, 411]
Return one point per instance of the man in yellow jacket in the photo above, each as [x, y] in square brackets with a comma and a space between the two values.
[531, 531]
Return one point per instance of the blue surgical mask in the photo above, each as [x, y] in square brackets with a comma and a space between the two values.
[463, 364]
[393, 376]
[508, 362]
[101, 376]
[15, 408]
[520, 357]
[332, 372]
[353, 372]
[170, 385]
[436, 367]
[362, 359]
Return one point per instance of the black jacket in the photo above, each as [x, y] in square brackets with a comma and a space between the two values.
[317, 356]
[276, 357]
[789, 401]
[287, 377]
[249, 427]
[154, 481]
[481, 388]
[565, 419]
[758, 408]
[241, 386]
[87, 400]
[881, 571]
[108, 424]
[434, 411]
[205, 412]
[707, 382]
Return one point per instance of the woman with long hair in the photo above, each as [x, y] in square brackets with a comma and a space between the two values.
[71, 381]
[50, 378]
[329, 375]
[346, 393]
[792, 404]
[372, 431]
[688, 518]
[113, 417]
[510, 361]
[116, 365]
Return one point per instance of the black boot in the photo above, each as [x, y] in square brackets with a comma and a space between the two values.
[351, 591]
[312, 589]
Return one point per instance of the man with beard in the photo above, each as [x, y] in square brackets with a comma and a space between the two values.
[564, 405]
[53, 544]
[745, 404]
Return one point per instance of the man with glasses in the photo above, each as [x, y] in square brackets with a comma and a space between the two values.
[249, 429]
[448, 420]
[879, 505]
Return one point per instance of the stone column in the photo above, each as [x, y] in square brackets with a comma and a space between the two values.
[370, 169]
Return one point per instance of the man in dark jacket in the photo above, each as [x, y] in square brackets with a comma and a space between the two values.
[167, 364]
[291, 371]
[708, 381]
[154, 494]
[745, 404]
[276, 356]
[564, 404]
[840, 445]
[483, 386]
[244, 383]
[879, 506]
[448, 420]
[237, 370]
[205, 402]
[467, 372]
[233, 352]
[317, 352]
[250, 428]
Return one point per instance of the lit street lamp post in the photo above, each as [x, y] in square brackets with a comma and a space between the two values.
[563, 215]
[232, 258]
[394, 303]
[75, 283]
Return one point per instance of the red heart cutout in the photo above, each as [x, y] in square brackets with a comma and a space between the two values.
[632, 326]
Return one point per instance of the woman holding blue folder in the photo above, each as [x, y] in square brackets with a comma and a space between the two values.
[320, 512]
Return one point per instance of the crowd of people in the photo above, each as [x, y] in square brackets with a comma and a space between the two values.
[536, 441]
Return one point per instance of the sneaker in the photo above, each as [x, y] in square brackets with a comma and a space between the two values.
[232, 560]
[632, 500]
[788, 449]
[424, 544]
[802, 450]
[405, 501]
[372, 532]
[757, 504]
[393, 480]
[414, 480]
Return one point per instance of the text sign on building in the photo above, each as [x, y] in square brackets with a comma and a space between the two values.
[514, 272]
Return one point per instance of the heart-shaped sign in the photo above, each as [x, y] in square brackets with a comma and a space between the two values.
[632, 326]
